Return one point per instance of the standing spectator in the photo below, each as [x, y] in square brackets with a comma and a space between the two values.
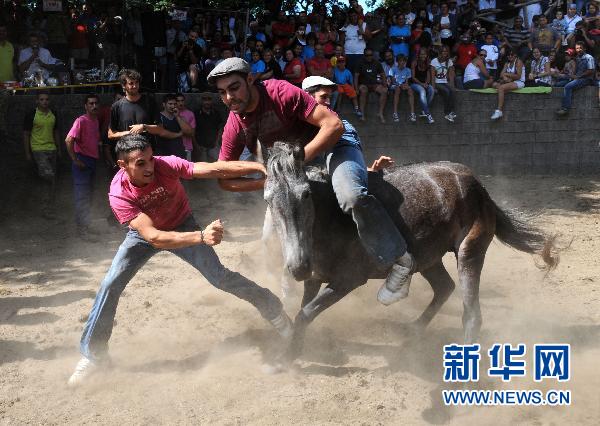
[209, 127]
[465, 52]
[174, 38]
[7, 56]
[134, 113]
[572, 18]
[476, 74]
[399, 35]
[170, 120]
[544, 37]
[35, 58]
[369, 77]
[399, 78]
[294, 70]
[327, 37]
[528, 12]
[442, 68]
[273, 69]
[343, 78]
[354, 38]
[189, 141]
[41, 143]
[376, 23]
[82, 144]
[319, 65]
[584, 76]
[188, 57]
[493, 54]
[420, 38]
[517, 38]
[421, 83]
[558, 25]
[540, 71]
[512, 78]
[79, 48]
[448, 27]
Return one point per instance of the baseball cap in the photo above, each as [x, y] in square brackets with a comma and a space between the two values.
[226, 67]
[315, 80]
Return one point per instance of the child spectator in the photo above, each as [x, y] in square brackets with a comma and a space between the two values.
[343, 78]
[257, 66]
[491, 60]
[399, 77]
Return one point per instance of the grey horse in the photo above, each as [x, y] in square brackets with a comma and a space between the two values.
[439, 207]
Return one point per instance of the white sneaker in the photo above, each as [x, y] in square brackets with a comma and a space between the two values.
[397, 283]
[84, 369]
[283, 324]
[453, 114]
[496, 115]
[430, 119]
[412, 117]
[449, 117]
[423, 114]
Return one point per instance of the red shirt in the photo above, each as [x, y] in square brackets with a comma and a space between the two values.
[320, 65]
[289, 69]
[465, 53]
[280, 116]
[163, 200]
[282, 31]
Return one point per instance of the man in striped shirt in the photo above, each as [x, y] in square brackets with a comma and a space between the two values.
[517, 38]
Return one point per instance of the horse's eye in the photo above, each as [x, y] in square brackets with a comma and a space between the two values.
[304, 195]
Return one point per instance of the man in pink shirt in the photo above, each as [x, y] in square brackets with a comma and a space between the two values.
[146, 193]
[189, 142]
[82, 143]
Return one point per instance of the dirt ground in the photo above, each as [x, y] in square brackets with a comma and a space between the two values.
[185, 353]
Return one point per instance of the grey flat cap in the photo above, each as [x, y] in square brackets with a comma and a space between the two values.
[226, 67]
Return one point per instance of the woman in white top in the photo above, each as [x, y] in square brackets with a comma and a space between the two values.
[476, 75]
[512, 78]
[442, 70]
[540, 70]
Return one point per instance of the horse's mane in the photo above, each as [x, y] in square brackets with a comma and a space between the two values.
[287, 160]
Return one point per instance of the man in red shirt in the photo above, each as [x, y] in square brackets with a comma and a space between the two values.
[319, 65]
[146, 193]
[275, 110]
[282, 30]
[83, 142]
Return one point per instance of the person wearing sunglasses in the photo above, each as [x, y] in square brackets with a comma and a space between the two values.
[476, 74]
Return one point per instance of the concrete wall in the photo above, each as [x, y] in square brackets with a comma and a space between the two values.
[528, 139]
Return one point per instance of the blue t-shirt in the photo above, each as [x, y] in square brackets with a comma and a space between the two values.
[258, 66]
[400, 48]
[307, 53]
[400, 76]
[342, 77]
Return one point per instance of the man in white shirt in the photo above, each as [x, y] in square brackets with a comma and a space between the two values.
[35, 58]
[491, 60]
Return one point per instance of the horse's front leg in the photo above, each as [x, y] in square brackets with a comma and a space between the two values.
[328, 296]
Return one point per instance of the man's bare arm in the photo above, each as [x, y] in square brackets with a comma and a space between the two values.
[331, 130]
[227, 169]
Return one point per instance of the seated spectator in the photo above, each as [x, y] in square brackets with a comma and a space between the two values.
[493, 54]
[298, 49]
[278, 56]
[465, 52]
[562, 75]
[544, 37]
[369, 77]
[319, 65]
[419, 38]
[260, 46]
[35, 58]
[294, 70]
[250, 46]
[558, 24]
[308, 51]
[214, 58]
[389, 61]
[443, 81]
[343, 78]
[7, 56]
[436, 38]
[585, 70]
[299, 36]
[448, 28]
[512, 78]
[273, 70]
[398, 79]
[282, 30]
[421, 83]
[570, 21]
[580, 34]
[338, 53]
[188, 56]
[399, 36]
[257, 66]
[592, 16]
[476, 74]
[540, 71]
[517, 38]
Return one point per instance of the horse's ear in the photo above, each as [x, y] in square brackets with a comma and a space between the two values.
[298, 153]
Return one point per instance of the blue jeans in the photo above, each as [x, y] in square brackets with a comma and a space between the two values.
[425, 96]
[376, 230]
[570, 87]
[83, 188]
[133, 253]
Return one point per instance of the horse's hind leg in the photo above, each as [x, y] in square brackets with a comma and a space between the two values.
[442, 285]
[470, 258]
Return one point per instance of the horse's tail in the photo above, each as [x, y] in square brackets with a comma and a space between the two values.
[513, 230]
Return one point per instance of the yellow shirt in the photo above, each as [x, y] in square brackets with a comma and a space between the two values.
[42, 133]
[7, 54]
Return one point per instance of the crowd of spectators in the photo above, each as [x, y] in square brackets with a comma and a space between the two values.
[421, 48]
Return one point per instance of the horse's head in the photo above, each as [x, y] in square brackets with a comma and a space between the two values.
[287, 192]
